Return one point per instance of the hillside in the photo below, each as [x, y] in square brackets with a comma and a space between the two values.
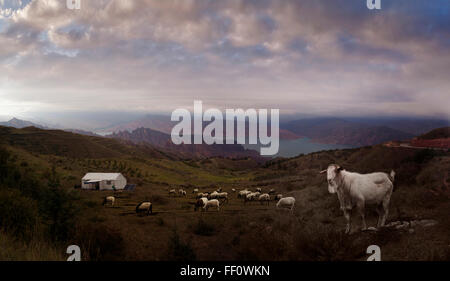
[338, 131]
[440, 133]
[67, 144]
[239, 231]
[163, 141]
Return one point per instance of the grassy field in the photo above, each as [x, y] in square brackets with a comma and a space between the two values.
[238, 231]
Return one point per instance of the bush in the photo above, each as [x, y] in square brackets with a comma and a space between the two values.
[18, 214]
[203, 228]
[324, 243]
[178, 250]
[100, 242]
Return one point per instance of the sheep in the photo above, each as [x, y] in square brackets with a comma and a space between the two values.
[251, 196]
[272, 191]
[172, 191]
[181, 192]
[278, 196]
[258, 189]
[144, 207]
[233, 190]
[200, 195]
[287, 202]
[109, 199]
[219, 189]
[264, 197]
[195, 190]
[243, 193]
[213, 195]
[222, 195]
[201, 203]
[212, 203]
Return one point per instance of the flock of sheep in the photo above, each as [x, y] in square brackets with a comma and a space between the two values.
[206, 200]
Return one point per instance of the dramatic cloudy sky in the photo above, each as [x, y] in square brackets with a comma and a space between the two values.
[315, 57]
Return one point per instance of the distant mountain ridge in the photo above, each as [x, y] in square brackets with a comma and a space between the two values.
[164, 141]
[19, 124]
[345, 131]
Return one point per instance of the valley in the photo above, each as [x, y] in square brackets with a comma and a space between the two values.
[42, 163]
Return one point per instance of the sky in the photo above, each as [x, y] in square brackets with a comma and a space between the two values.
[310, 57]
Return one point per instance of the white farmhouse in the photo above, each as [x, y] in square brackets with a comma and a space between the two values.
[103, 181]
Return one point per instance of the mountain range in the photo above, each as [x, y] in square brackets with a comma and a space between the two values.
[346, 131]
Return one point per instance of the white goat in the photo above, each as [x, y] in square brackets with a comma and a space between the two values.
[359, 190]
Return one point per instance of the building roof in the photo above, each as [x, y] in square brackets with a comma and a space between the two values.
[101, 176]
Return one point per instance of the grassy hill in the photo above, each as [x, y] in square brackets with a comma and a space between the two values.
[42, 167]
[440, 133]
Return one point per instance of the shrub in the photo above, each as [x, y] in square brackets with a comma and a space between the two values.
[100, 242]
[203, 228]
[18, 214]
[177, 250]
[324, 243]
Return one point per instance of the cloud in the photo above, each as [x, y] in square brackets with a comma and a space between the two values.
[311, 56]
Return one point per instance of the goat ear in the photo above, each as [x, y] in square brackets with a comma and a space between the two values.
[324, 171]
[340, 169]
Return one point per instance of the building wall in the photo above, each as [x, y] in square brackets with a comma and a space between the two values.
[119, 183]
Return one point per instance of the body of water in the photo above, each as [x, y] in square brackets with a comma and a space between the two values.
[291, 148]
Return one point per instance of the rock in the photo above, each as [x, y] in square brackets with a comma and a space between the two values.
[371, 228]
[404, 225]
[394, 223]
[427, 223]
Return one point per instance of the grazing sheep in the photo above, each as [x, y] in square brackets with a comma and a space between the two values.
[287, 202]
[201, 203]
[265, 197]
[258, 189]
[195, 190]
[172, 191]
[251, 196]
[219, 189]
[222, 195]
[212, 203]
[243, 193]
[278, 196]
[233, 190]
[200, 195]
[182, 192]
[213, 195]
[144, 207]
[272, 191]
[109, 199]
